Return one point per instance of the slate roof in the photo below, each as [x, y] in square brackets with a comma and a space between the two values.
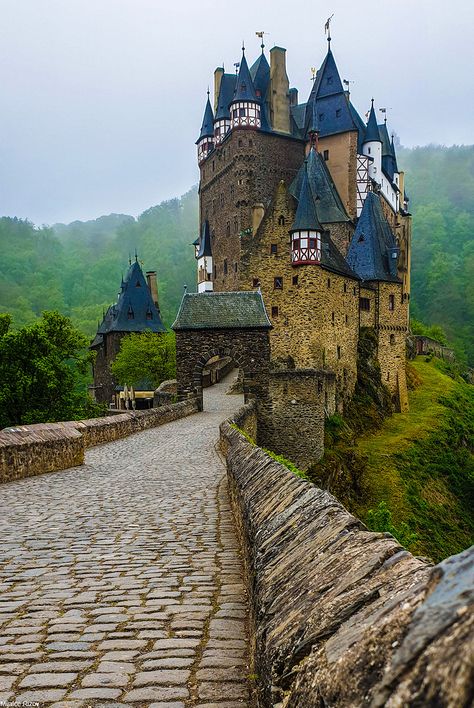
[244, 88]
[205, 241]
[372, 131]
[207, 127]
[226, 310]
[306, 218]
[389, 160]
[134, 299]
[360, 127]
[373, 244]
[330, 208]
[260, 73]
[226, 93]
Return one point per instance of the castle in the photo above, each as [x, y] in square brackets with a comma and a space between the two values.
[305, 203]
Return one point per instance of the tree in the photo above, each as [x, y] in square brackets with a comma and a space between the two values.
[146, 357]
[40, 366]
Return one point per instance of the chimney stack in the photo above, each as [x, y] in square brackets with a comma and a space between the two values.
[218, 74]
[279, 91]
[152, 286]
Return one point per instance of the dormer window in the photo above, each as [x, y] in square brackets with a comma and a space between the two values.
[137, 284]
[130, 313]
[149, 314]
[338, 113]
[329, 80]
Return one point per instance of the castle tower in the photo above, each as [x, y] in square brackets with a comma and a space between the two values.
[306, 230]
[204, 260]
[245, 107]
[136, 310]
[205, 142]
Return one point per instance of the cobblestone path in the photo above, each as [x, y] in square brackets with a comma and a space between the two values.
[121, 581]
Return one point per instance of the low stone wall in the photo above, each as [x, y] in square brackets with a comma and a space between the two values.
[29, 450]
[343, 616]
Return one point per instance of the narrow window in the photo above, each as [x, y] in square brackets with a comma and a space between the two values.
[338, 113]
[228, 228]
[256, 283]
[231, 191]
[250, 143]
[355, 290]
[274, 249]
[240, 142]
[236, 225]
[388, 376]
[225, 266]
[338, 351]
[392, 339]
[391, 302]
[364, 303]
[345, 287]
[295, 280]
[278, 283]
[329, 282]
[347, 319]
[274, 311]
[368, 150]
[235, 267]
[149, 315]
[215, 272]
[213, 166]
[130, 314]
[326, 154]
[281, 220]
[213, 205]
[221, 197]
[320, 386]
[333, 317]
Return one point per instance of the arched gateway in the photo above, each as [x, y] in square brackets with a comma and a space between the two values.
[226, 324]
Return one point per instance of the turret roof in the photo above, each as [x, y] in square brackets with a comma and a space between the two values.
[134, 310]
[306, 218]
[207, 127]
[372, 131]
[226, 92]
[244, 88]
[373, 246]
[330, 208]
[260, 74]
[204, 241]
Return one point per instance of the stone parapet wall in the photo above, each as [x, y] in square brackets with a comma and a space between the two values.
[29, 450]
[343, 616]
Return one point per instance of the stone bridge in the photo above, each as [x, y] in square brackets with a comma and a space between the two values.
[122, 584]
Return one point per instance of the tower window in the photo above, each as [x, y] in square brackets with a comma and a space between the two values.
[333, 317]
[326, 154]
[278, 283]
[355, 290]
[274, 311]
[281, 220]
[215, 271]
[347, 319]
[241, 142]
[329, 282]
[392, 339]
[235, 267]
[345, 287]
[295, 280]
[391, 302]
[274, 248]
[225, 266]
[368, 150]
[338, 113]
[338, 351]
[256, 283]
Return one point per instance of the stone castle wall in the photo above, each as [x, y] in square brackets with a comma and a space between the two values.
[392, 330]
[28, 450]
[104, 382]
[343, 616]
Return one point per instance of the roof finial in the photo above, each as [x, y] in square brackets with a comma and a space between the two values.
[208, 92]
[261, 34]
[327, 30]
[372, 102]
[129, 259]
[185, 287]
[243, 47]
[136, 256]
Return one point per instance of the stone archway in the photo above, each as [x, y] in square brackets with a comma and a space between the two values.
[222, 324]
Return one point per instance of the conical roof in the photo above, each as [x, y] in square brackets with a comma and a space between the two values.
[260, 74]
[207, 127]
[205, 241]
[134, 310]
[306, 218]
[372, 131]
[330, 208]
[226, 93]
[244, 88]
[373, 245]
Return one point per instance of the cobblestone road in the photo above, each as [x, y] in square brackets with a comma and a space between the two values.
[120, 581]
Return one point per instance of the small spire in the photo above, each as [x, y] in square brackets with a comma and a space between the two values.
[372, 102]
[136, 256]
[185, 287]
[129, 259]
[261, 35]
[208, 92]
[327, 30]
[243, 47]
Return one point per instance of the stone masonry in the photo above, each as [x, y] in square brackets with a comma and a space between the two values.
[121, 581]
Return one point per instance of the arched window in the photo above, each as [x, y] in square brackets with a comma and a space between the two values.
[281, 220]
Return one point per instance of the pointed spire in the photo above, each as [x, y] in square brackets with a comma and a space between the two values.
[372, 133]
[306, 218]
[207, 127]
[205, 241]
[244, 88]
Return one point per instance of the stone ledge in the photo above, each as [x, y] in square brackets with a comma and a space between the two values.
[343, 616]
[29, 450]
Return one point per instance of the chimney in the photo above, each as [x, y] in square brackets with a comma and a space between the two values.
[218, 74]
[279, 91]
[152, 286]
[293, 96]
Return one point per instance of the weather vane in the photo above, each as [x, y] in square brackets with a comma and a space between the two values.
[313, 73]
[327, 28]
[261, 35]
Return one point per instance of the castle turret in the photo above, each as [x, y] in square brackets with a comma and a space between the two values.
[225, 84]
[205, 142]
[204, 260]
[245, 107]
[372, 146]
[306, 230]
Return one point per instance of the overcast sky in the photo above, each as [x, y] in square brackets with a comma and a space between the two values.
[101, 101]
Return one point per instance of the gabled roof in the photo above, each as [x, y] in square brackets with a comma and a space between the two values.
[329, 206]
[226, 92]
[207, 127]
[372, 131]
[306, 218]
[224, 310]
[205, 241]
[373, 245]
[244, 88]
[327, 80]
[134, 310]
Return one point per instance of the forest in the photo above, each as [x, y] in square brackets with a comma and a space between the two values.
[76, 268]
